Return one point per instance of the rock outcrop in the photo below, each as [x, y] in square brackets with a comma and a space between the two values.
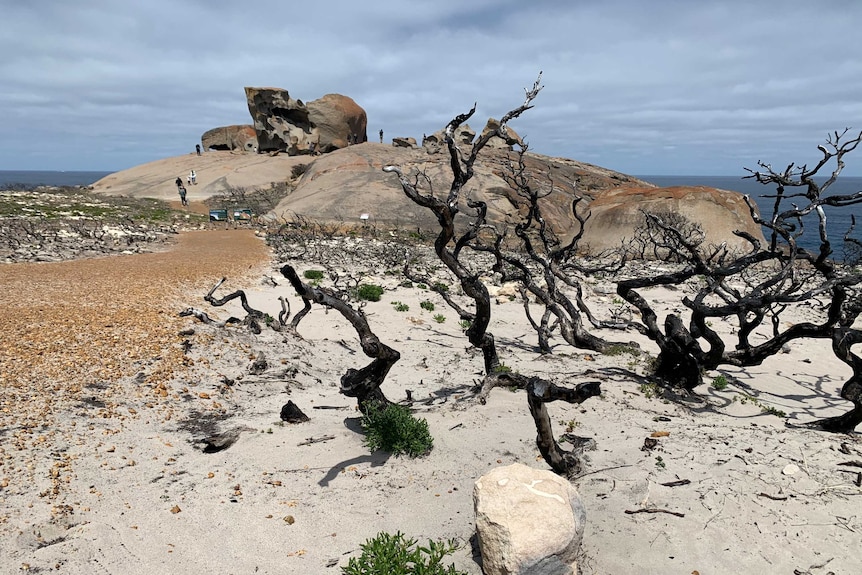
[465, 135]
[338, 122]
[617, 213]
[339, 186]
[288, 125]
[237, 137]
[528, 522]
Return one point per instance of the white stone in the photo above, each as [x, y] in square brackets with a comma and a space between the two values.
[528, 521]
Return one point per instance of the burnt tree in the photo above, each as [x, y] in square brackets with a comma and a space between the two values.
[364, 383]
[756, 291]
[449, 247]
[548, 268]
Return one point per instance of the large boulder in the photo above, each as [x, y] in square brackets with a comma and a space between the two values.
[528, 522]
[288, 125]
[281, 122]
[237, 137]
[615, 215]
[496, 141]
[342, 185]
[338, 122]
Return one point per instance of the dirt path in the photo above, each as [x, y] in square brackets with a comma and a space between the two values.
[70, 325]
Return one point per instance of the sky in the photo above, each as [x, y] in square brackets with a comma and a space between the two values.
[644, 87]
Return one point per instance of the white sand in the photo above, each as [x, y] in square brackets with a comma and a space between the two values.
[268, 505]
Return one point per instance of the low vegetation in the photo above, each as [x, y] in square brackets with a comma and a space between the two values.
[396, 430]
[388, 554]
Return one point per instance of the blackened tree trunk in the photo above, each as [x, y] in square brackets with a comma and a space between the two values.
[364, 383]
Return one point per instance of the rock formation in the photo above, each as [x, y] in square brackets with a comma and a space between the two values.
[348, 182]
[528, 522]
[465, 135]
[288, 125]
[338, 121]
[237, 137]
[404, 142]
[616, 213]
[497, 141]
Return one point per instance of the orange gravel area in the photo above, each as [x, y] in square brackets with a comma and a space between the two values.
[86, 323]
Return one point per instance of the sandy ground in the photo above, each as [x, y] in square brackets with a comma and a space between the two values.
[105, 423]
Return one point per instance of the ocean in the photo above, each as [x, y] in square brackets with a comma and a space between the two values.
[49, 178]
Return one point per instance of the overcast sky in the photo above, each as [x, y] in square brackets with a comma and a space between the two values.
[639, 86]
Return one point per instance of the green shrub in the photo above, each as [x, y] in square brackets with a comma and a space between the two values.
[400, 306]
[502, 368]
[719, 383]
[440, 287]
[439, 318]
[313, 274]
[396, 430]
[427, 305]
[369, 292]
[465, 324]
[388, 554]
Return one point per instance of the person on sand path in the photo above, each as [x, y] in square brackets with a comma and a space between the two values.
[198, 149]
[179, 182]
[182, 190]
[193, 177]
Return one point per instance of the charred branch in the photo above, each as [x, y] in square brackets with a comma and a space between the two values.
[363, 384]
[539, 392]
[253, 318]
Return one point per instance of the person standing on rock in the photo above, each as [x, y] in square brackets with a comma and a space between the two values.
[381, 135]
[198, 149]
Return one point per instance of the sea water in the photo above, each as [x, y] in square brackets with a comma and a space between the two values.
[49, 178]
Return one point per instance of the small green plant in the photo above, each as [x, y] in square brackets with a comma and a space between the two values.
[400, 306]
[659, 462]
[313, 274]
[771, 410]
[439, 317]
[396, 430]
[570, 425]
[422, 286]
[502, 368]
[649, 389]
[388, 554]
[618, 349]
[465, 324]
[440, 287]
[369, 292]
[427, 305]
[719, 383]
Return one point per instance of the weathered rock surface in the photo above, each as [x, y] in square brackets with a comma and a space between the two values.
[346, 183]
[281, 122]
[337, 119]
[616, 213]
[217, 172]
[404, 142]
[498, 142]
[237, 137]
[288, 125]
[339, 186]
[528, 521]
